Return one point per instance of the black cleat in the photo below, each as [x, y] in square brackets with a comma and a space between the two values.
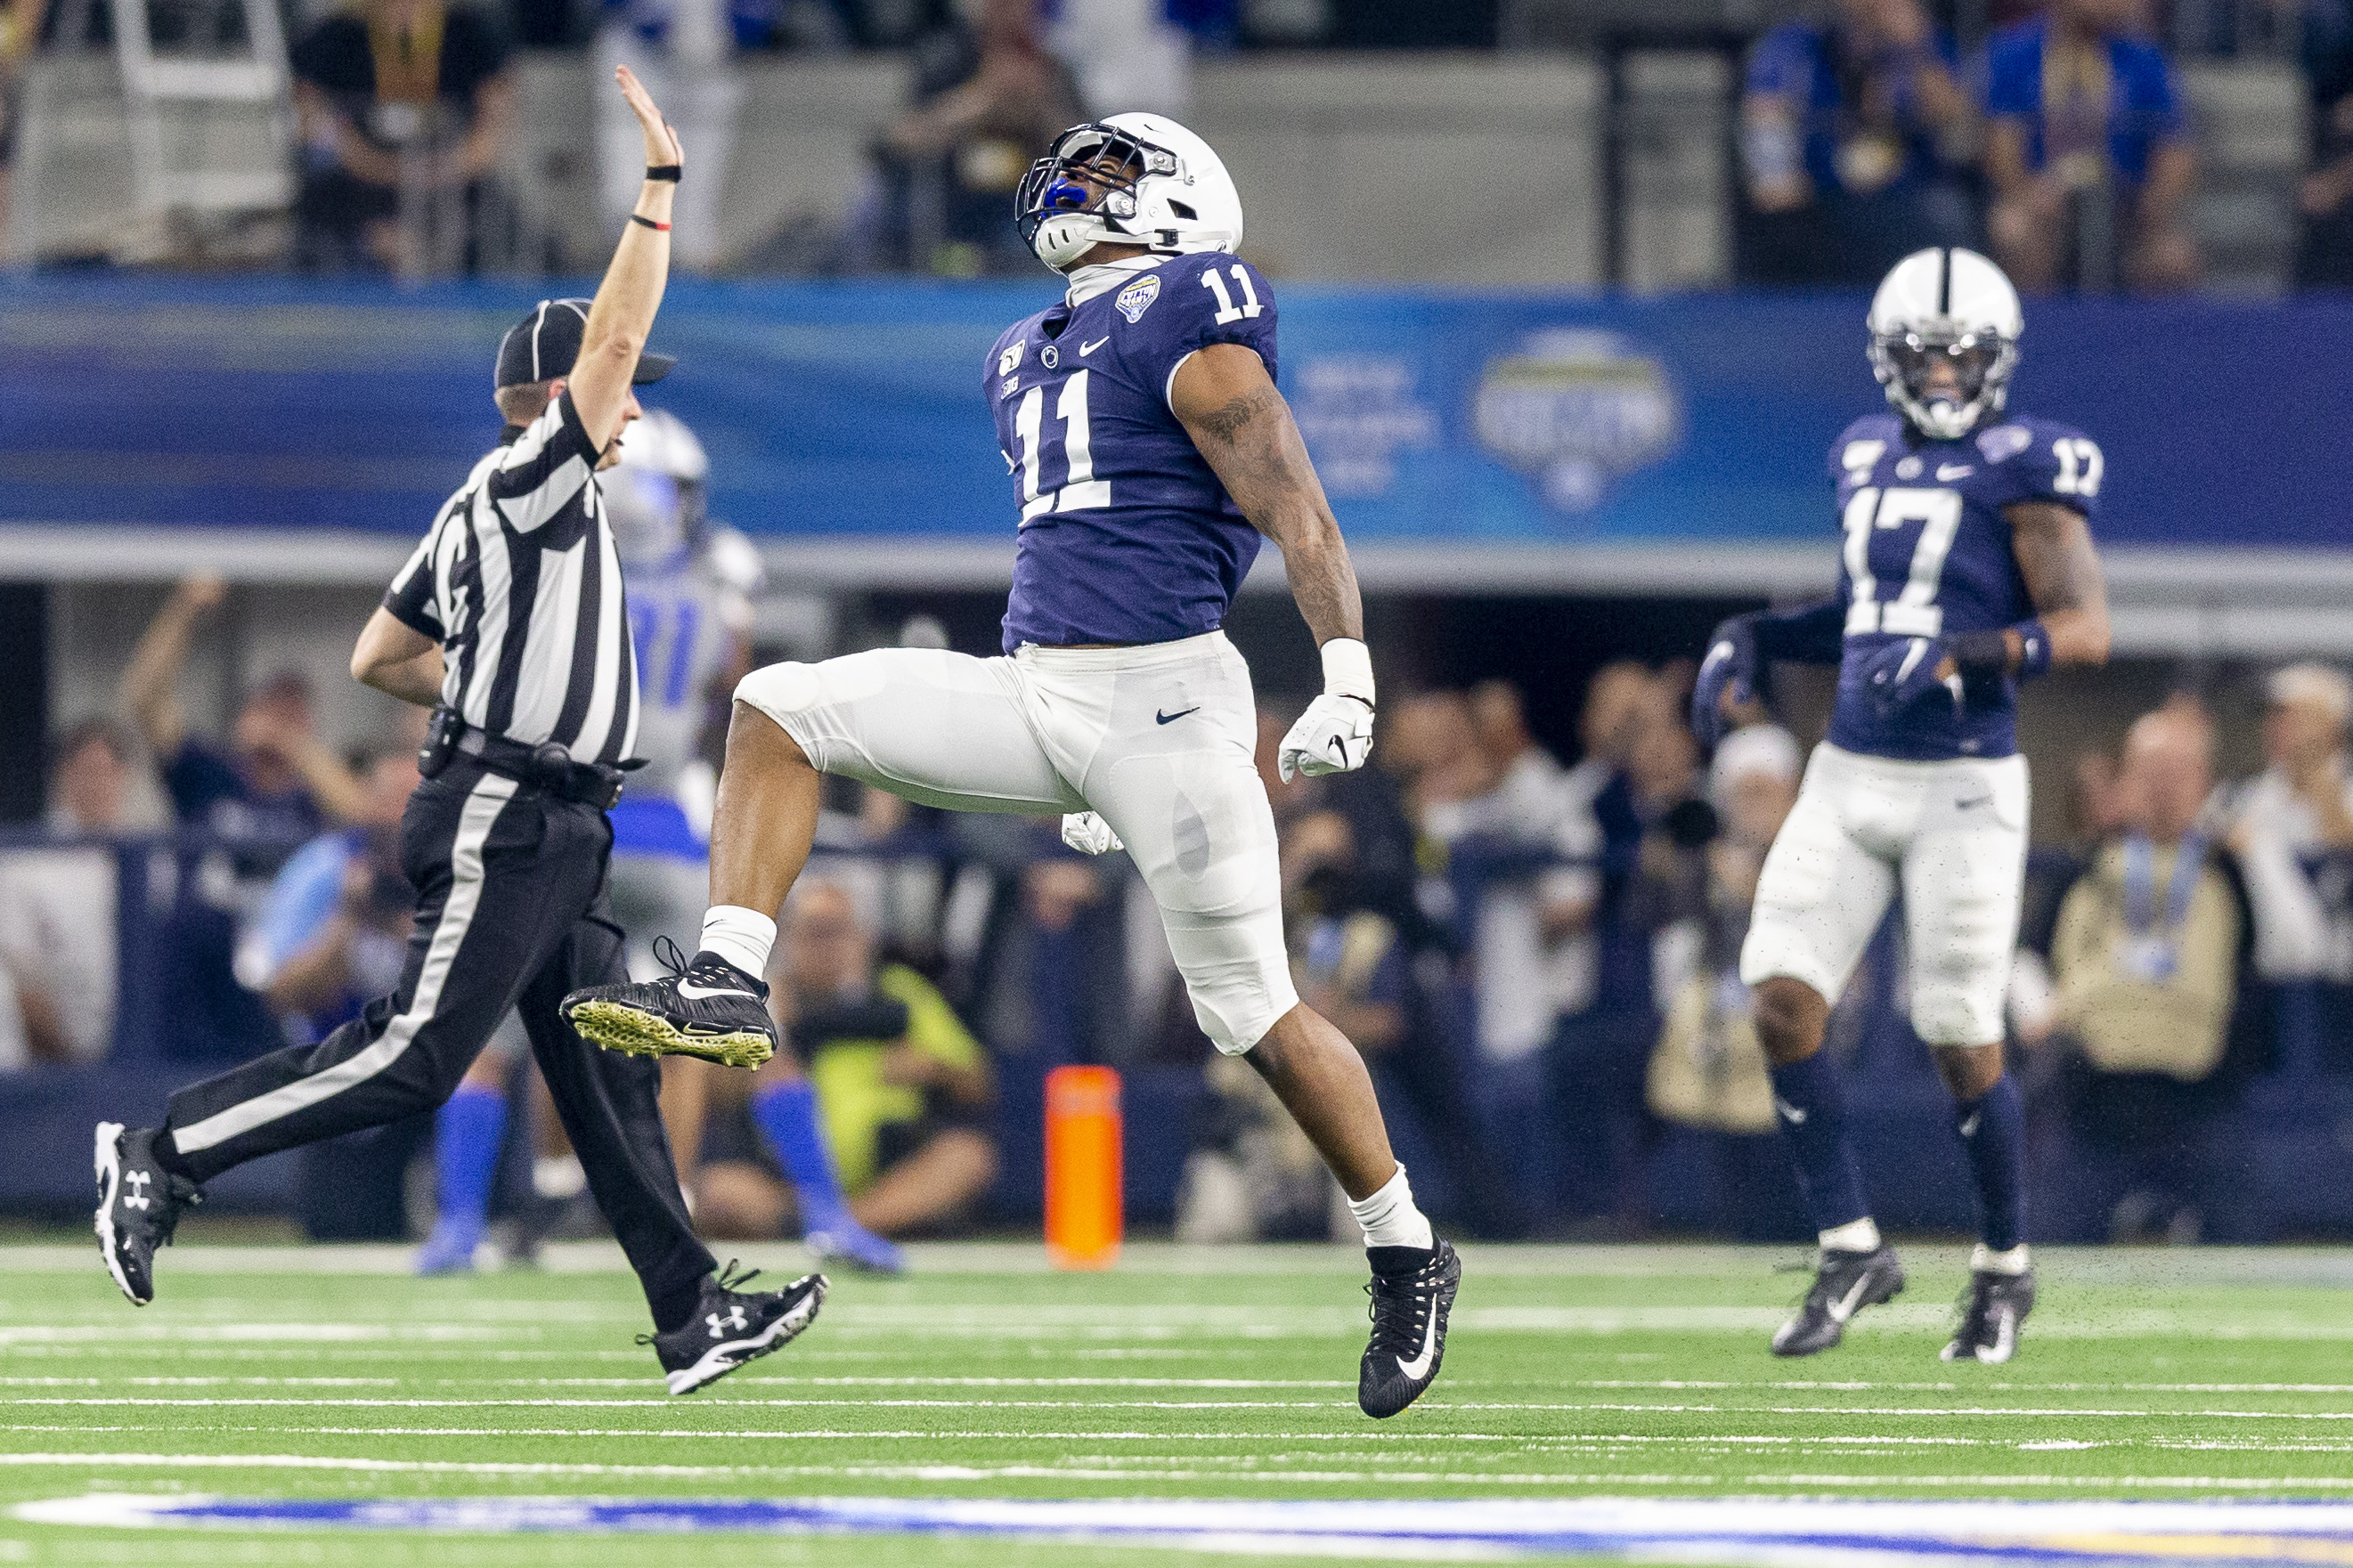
[1412, 1291]
[1991, 1319]
[707, 1008]
[1844, 1284]
[139, 1207]
[730, 1327]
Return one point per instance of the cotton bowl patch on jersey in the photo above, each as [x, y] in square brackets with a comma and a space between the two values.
[1137, 296]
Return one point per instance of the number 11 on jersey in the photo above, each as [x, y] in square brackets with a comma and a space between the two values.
[1080, 490]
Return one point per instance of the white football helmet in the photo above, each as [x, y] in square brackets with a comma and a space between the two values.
[1953, 307]
[1160, 186]
[655, 496]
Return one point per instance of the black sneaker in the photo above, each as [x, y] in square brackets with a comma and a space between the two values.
[732, 1326]
[139, 1207]
[707, 1008]
[1991, 1319]
[1412, 1291]
[1844, 1284]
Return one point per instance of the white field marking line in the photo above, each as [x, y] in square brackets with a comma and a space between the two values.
[302, 1333]
[1794, 1385]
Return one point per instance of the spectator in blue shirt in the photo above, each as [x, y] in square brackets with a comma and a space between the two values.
[276, 780]
[2086, 119]
[1852, 134]
[2324, 257]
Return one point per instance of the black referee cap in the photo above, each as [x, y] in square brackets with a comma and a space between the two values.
[542, 345]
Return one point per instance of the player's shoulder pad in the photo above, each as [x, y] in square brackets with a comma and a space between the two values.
[1861, 443]
[2044, 460]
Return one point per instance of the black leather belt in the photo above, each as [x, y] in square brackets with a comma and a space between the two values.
[546, 766]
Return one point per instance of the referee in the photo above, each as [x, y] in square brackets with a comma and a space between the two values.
[509, 621]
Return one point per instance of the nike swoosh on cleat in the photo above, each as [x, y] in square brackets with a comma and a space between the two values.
[1844, 1308]
[1172, 718]
[1086, 349]
[2005, 1340]
[1419, 1367]
[693, 993]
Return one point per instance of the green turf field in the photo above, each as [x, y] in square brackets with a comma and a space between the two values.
[1614, 1371]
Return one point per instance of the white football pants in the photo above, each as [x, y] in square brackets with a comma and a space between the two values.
[1955, 831]
[1157, 738]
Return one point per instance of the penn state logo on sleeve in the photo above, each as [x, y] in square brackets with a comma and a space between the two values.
[1137, 296]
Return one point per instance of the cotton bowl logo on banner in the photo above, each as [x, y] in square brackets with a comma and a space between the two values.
[1576, 410]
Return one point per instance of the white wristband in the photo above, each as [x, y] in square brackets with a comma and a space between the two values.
[1348, 670]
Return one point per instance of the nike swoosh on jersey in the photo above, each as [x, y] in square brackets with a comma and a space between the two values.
[1172, 718]
[693, 993]
[1086, 349]
[1419, 1367]
[1796, 1117]
[1947, 472]
[1971, 1124]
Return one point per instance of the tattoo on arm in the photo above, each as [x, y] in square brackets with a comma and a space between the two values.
[2055, 555]
[1253, 442]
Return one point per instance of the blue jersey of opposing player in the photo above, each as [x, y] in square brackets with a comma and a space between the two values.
[1928, 553]
[1127, 535]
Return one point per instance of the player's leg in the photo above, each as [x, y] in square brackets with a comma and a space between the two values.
[485, 894]
[468, 1131]
[1187, 800]
[1964, 875]
[1820, 895]
[938, 728]
[785, 1108]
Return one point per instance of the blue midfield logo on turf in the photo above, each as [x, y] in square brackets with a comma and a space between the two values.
[1576, 410]
[1826, 1531]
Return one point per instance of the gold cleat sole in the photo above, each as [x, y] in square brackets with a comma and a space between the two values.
[635, 1034]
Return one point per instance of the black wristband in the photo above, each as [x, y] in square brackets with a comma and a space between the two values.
[667, 173]
[1980, 653]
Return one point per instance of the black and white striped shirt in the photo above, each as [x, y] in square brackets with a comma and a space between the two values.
[519, 582]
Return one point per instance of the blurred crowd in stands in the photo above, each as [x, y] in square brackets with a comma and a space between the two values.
[1539, 960]
[2056, 136]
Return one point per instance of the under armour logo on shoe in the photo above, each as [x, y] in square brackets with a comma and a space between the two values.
[137, 1197]
[733, 1320]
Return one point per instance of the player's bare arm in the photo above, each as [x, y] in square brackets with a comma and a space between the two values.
[2055, 555]
[398, 660]
[1244, 427]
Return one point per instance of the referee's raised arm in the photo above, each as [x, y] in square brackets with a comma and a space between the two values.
[623, 311]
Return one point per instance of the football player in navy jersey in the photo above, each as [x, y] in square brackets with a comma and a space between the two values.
[1967, 568]
[1149, 452]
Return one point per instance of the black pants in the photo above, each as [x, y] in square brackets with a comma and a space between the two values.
[511, 913]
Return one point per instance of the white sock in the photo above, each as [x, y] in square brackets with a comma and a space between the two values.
[1389, 1217]
[1855, 1235]
[1986, 1260]
[741, 936]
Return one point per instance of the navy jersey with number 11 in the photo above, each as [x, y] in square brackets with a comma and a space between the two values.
[1127, 535]
[1928, 553]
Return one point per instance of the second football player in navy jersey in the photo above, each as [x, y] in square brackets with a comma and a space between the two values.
[1149, 452]
[1966, 566]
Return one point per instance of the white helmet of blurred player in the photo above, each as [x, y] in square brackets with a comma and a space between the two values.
[654, 496]
[1944, 327]
[1133, 179]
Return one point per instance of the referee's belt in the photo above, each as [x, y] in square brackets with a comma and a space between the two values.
[546, 766]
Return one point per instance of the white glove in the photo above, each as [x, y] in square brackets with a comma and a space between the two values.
[1089, 834]
[1336, 734]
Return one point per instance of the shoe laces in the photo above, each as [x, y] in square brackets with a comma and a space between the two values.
[675, 959]
[1399, 1308]
[184, 1195]
[735, 1277]
[670, 955]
